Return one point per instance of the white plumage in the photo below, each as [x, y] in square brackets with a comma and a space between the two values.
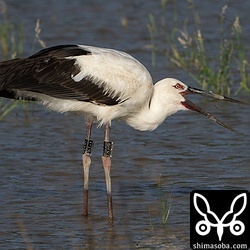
[104, 84]
[120, 75]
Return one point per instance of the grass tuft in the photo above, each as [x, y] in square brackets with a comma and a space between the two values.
[165, 201]
[11, 46]
[226, 72]
[11, 36]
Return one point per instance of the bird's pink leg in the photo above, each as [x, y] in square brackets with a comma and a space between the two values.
[86, 160]
[106, 161]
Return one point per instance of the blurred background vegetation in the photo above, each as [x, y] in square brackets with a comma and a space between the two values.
[213, 70]
[224, 71]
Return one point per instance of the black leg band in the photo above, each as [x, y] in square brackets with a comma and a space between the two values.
[88, 147]
[107, 148]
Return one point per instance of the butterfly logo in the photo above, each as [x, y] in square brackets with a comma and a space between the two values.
[210, 219]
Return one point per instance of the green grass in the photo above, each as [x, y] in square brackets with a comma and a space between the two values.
[163, 206]
[165, 202]
[11, 46]
[226, 72]
[11, 36]
[6, 107]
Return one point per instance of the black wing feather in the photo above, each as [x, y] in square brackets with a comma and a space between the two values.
[61, 51]
[50, 72]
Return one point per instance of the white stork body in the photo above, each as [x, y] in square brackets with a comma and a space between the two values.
[122, 78]
[104, 84]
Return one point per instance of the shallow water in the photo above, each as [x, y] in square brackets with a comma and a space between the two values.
[40, 156]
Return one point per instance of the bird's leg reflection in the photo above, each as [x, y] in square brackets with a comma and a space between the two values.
[86, 160]
[106, 160]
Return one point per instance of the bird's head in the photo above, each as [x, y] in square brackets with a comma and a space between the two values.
[177, 92]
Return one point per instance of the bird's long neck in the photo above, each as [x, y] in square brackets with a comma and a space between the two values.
[153, 113]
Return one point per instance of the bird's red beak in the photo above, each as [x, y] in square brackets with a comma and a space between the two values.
[190, 105]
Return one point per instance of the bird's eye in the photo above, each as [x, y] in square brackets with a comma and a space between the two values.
[178, 86]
